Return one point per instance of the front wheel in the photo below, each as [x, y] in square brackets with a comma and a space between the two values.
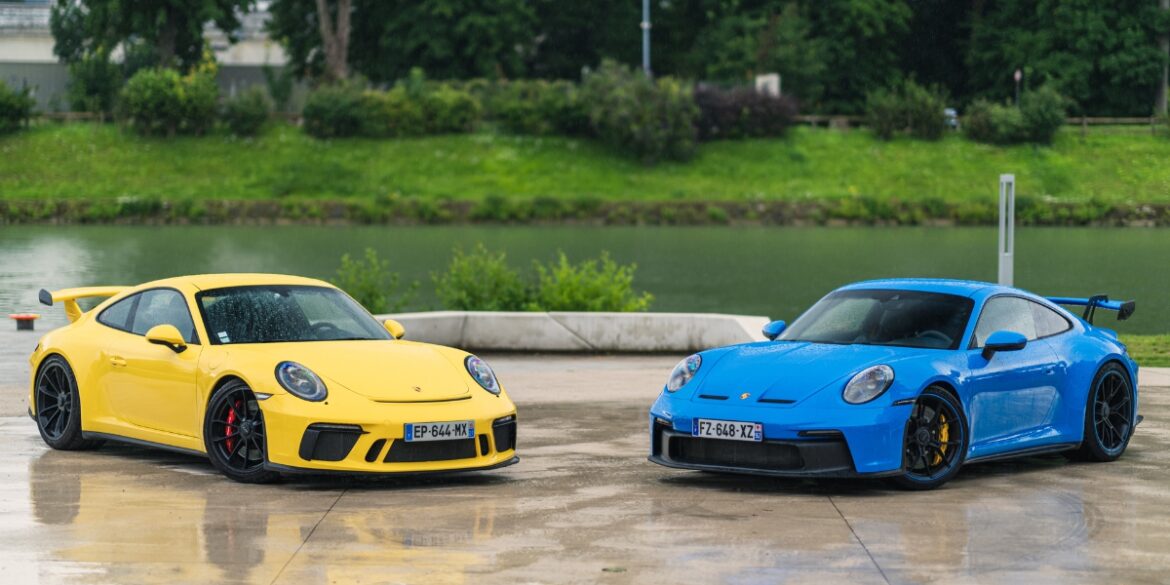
[234, 434]
[1109, 416]
[935, 443]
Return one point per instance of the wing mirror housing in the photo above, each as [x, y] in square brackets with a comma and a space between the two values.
[168, 336]
[1003, 341]
[774, 329]
[395, 328]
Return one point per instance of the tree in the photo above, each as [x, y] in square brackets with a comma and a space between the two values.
[862, 40]
[173, 28]
[333, 22]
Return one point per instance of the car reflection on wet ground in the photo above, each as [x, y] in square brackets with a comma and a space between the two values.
[583, 506]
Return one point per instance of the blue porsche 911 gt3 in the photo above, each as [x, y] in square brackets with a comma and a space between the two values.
[908, 379]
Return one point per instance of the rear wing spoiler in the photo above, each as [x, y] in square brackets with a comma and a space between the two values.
[69, 297]
[1124, 308]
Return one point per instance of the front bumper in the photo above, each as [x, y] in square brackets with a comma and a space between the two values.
[338, 438]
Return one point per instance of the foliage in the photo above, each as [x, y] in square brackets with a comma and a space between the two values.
[481, 280]
[94, 82]
[16, 108]
[336, 111]
[246, 113]
[742, 113]
[652, 119]
[393, 113]
[280, 85]
[1043, 111]
[1039, 117]
[909, 108]
[163, 102]
[370, 282]
[539, 107]
[592, 285]
[448, 110]
[862, 42]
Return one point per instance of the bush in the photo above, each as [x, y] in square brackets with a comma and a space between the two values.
[94, 82]
[335, 111]
[540, 108]
[742, 113]
[16, 108]
[448, 110]
[370, 282]
[393, 113]
[653, 120]
[592, 285]
[908, 107]
[1039, 117]
[160, 101]
[1043, 112]
[481, 281]
[246, 114]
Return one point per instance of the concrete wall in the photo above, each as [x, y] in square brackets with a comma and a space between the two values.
[580, 332]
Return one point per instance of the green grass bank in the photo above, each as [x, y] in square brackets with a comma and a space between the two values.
[97, 173]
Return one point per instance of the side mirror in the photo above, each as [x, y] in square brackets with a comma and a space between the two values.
[395, 328]
[167, 335]
[1003, 341]
[774, 329]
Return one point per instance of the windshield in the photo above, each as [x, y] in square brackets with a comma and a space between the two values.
[272, 313]
[884, 317]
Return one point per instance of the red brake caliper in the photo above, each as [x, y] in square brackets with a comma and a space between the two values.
[228, 430]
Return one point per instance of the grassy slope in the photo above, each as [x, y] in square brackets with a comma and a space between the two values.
[1149, 350]
[83, 160]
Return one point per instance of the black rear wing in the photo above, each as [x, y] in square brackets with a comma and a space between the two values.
[1124, 308]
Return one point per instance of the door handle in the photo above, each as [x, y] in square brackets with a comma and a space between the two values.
[117, 362]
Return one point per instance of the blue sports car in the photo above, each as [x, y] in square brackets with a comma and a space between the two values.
[907, 379]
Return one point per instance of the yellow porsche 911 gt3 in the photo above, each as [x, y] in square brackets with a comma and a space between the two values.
[264, 374]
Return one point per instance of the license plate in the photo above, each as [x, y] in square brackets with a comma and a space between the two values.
[440, 431]
[727, 429]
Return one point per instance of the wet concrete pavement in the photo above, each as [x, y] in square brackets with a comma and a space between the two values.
[582, 506]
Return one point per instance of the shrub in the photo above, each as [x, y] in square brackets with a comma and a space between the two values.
[1043, 112]
[908, 107]
[280, 85]
[1039, 117]
[481, 281]
[335, 111]
[16, 108]
[540, 108]
[448, 110]
[246, 114]
[742, 113]
[160, 101]
[592, 285]
[94, 82]
[653, 120]
[393, 113]
[370, 282]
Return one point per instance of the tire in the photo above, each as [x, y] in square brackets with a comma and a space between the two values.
[234, 434]
[57, 407]
[931, 452]
[1109, 416]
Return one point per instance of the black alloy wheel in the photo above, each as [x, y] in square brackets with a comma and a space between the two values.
[1109, 415]
[234, 434]
[935, 442]
[57, 406]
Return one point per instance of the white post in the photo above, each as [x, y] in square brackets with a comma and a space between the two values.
[1007, 228]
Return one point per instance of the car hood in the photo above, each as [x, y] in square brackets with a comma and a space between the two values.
[787, 372]
[385, 371]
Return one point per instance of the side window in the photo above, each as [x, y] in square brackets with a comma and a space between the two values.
[1048, 322]
[163, 307]
[117, 315]
[1006, 314]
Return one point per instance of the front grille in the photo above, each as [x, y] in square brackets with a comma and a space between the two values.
[404, 452]
[504, 434]
[777, 456]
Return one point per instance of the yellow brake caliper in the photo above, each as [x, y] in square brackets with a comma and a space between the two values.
[944, 434]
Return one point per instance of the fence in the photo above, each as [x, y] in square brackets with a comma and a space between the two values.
[1151, 124]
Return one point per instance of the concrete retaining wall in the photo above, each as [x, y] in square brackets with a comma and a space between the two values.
[580, 332]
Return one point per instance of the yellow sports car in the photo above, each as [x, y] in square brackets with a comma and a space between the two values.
[264, 374]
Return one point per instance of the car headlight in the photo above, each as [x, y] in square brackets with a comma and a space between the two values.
[683, 372]
[301, 381]
[868, 384]
[483, 374]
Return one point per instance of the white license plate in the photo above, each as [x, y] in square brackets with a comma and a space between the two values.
[439, 431]
[727, 429]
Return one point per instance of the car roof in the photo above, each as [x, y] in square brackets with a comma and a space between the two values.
[213, 281]
[967, 288]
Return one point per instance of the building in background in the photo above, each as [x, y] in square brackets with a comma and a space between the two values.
[27, 59]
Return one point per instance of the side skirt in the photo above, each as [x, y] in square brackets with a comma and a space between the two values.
[141, 443]
[1046, 449]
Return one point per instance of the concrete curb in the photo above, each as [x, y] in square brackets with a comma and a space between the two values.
[580, 332]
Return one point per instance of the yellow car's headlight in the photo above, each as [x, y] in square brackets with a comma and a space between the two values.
[301, 381]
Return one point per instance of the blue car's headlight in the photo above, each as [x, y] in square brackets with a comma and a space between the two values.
[683, 372]
[868, 384]
[483, 374]
[301, 381]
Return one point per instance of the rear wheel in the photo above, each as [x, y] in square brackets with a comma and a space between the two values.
[935, 442]
[1109, 416]
[58, 407]
[234, 434]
